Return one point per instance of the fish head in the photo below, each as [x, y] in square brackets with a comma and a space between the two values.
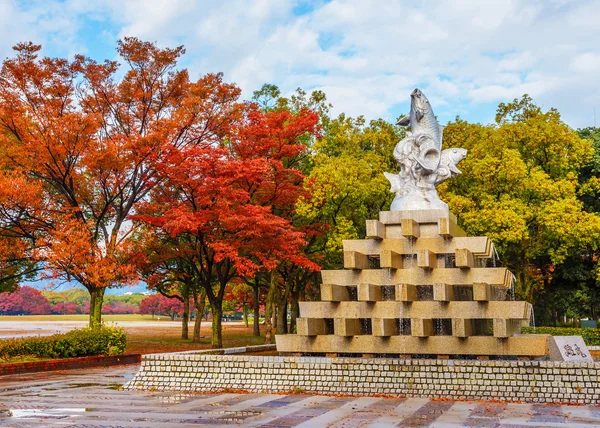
[419, 104]
[457, 154]
[452, 157]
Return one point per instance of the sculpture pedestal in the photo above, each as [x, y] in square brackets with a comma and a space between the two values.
[418, 202]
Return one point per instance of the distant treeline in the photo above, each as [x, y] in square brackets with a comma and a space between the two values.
[29, 301]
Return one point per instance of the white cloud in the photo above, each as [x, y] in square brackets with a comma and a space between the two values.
[366, 55]
[587, 62]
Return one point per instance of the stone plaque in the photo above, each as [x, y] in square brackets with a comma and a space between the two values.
[568, 348]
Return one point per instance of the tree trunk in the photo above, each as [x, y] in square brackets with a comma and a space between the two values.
[217, 336]
[282, 318]
[256, 331]
[269, 313]
[246, 314]
[200, 303]
[96, 300]
[186, 316]
[295, 309]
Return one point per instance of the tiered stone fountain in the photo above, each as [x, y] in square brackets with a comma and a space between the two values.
[417, 284]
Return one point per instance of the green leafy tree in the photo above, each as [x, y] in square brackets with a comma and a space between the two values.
[346, 185]
[519, 187]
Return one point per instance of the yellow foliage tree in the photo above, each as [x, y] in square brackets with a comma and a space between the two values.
[519, 187]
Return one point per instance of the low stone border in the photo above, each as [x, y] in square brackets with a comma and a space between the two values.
[68, 364]
[226, 351]
[512, 381]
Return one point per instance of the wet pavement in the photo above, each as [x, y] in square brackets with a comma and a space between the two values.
[94, 398]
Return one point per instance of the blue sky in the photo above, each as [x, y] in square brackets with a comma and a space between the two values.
[467, 55]
[367, 55]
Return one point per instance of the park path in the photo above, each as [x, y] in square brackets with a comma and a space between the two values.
[93, 398]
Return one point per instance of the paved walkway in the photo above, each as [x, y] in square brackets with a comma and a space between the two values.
[92, 398]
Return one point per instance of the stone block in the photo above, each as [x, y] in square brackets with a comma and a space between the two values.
[375, 229]
[420, 216]
[410, 228]
[462, 327]
[448, 228]
[426, 259]
[406, 292]
[421, 327]
[310, 326]
[355, 260]
[369, 293]
[482, 292]
[384, 327]
[346, 326]
[464, 258]
[506, 327]
[569, 348]
[390, 259]
[443, 292]
[334, 293]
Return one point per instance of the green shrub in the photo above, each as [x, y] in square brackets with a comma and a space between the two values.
[591, 336]
[76, 343]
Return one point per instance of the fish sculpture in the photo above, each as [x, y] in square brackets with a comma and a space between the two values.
[423, 164]
[448, 164]
[426, 129]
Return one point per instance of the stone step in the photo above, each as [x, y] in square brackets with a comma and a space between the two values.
[480, 246]
[524, 345]
[419, 276]
[421, 309]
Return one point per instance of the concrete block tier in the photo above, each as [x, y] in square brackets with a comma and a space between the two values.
[416, 285]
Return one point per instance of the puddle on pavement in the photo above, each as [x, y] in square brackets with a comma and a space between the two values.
[235, 413]
[83, 385]
[87, 385]
[173, 398]
[237, 416]
[18, 388]
[62, 413]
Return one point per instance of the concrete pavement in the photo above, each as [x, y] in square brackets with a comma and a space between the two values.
[93, 398]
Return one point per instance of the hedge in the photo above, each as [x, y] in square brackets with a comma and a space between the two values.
[591, 336]
[76, 343]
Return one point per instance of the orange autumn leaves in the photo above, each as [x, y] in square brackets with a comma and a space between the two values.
[92, 164]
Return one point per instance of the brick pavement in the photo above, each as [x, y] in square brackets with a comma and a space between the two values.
[93, 398]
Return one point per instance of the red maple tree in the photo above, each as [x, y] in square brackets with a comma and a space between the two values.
[221, 200]
[159, 304]
[24, 301]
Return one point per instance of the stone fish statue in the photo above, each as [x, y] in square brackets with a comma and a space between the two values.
[423, 163]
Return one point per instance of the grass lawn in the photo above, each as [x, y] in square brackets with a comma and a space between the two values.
[145, 337]
[146, 340]
[23, 359]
